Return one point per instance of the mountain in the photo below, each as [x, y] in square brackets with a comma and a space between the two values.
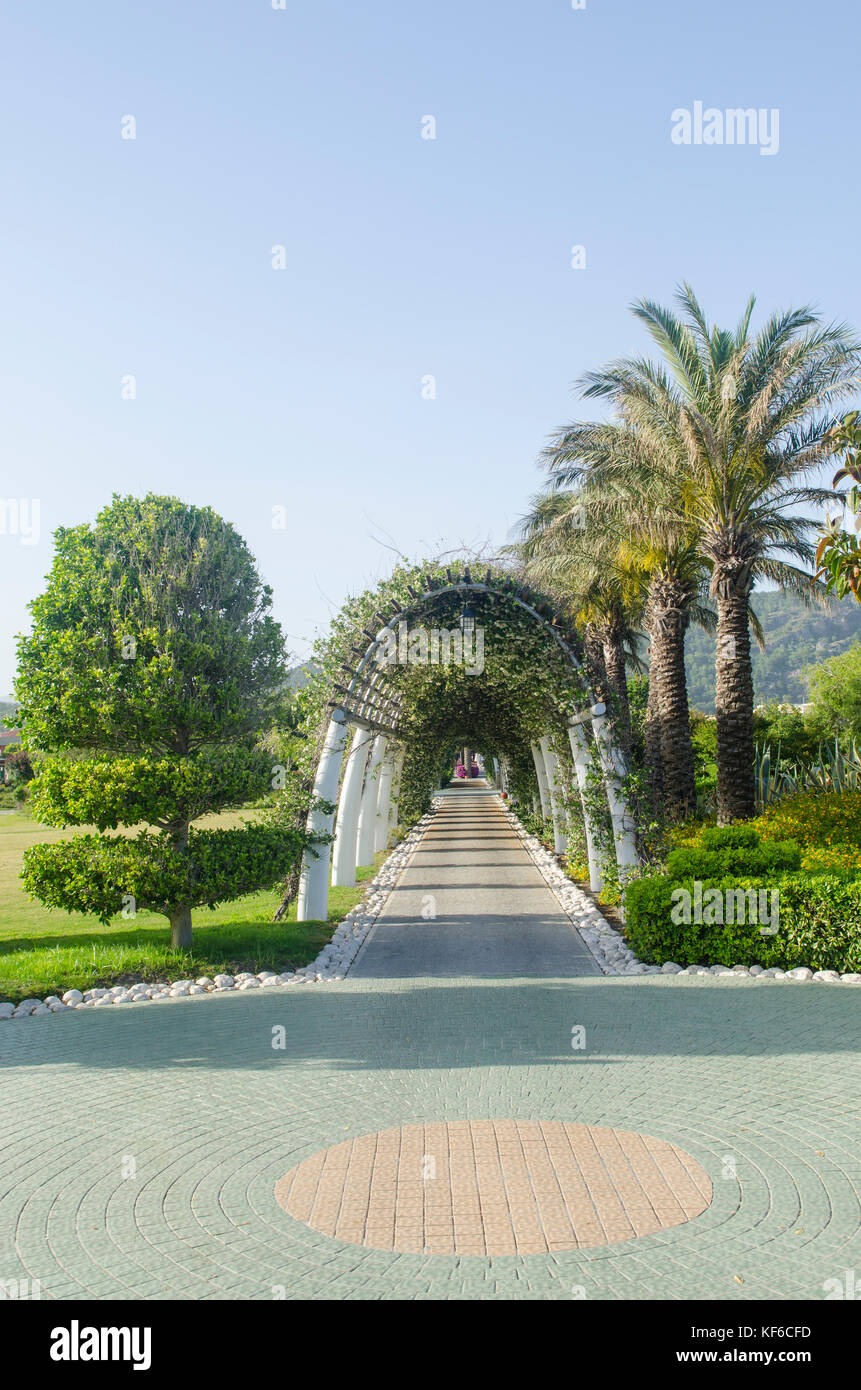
[299, 676]
[795, 637]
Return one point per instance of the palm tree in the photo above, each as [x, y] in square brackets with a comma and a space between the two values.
[661, 559]
[733, 427]
[675, 600]
[563, 550]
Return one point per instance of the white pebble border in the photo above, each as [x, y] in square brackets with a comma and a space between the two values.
[331, 964]
[608, 945]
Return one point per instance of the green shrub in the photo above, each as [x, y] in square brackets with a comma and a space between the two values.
[753, 860]
[104, 875]
[727, 837]
[819, 924]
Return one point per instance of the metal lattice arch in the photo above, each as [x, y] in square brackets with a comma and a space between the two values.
[358, 774]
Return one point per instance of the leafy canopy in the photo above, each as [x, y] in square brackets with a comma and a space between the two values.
[153, 634]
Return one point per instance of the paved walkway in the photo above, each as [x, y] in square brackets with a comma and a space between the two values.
[471, 902]
[154, 1151]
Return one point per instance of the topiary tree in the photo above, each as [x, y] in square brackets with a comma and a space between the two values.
[152, 670]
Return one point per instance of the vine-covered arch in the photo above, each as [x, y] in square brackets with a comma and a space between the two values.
[432, 659]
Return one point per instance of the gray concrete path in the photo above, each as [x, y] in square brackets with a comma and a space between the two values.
[472, 902]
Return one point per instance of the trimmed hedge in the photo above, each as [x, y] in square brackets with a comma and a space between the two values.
[819, 924]
[728, 837]
[97, 873]
[137, 791]
[819, 915]
[758, 861]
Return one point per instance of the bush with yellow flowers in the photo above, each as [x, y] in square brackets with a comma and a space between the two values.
[827, 826]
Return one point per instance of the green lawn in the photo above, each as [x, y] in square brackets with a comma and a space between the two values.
[45, 952]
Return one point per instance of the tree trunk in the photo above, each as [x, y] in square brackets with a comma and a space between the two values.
[617, 680]
[669, 605]
[180, 919]
[180, 929]
[652, 757]
[736, 792]
[290, 890]
[596, 667]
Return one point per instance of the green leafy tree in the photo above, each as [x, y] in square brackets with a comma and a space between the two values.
[839, 551]
[151, 672]
[797, 736]
[18, 766]
[835, 692]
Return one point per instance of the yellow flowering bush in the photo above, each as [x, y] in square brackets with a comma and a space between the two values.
[825, 825]
[814, 820]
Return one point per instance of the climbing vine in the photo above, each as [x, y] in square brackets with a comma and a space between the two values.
[514, 681]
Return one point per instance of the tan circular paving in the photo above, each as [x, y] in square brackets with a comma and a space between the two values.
[495, 1187]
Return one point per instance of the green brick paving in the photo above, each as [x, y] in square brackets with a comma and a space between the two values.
[759, 1082]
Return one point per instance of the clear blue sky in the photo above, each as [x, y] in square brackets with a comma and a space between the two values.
[301, 388]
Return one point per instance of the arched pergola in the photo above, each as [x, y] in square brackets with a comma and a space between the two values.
[358, 774]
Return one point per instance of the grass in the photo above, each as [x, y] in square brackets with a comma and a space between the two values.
[46, 951]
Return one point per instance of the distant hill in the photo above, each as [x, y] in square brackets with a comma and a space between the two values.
[795, 637]
[300, 675]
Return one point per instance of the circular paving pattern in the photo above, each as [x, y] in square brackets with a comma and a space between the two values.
[495, 1187]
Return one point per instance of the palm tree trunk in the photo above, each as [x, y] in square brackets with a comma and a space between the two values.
[652, 757]
[596, 666]
[669, 606]
[617, 680]
[736, 791]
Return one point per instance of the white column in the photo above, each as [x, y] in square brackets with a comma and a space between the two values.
[580, 753]
[347, 824]
[368, 808]
[313, 900]
[613, 763]
[541, 774]
[384, 796]
[560, 839]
